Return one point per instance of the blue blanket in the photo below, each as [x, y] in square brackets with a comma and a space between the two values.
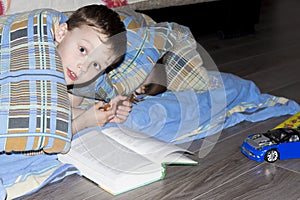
[179, 117]
[175, 117]
[18, 169]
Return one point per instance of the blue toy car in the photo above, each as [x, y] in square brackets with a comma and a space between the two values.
[281, 143]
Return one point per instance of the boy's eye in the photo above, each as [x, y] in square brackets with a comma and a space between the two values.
[96, 66]
[82, 50]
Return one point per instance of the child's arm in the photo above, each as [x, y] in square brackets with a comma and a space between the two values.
[75, 101]
[94, 116]
[99, 114]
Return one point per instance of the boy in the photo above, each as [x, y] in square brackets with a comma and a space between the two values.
[159, 56]
[172, 44]
[90, 41]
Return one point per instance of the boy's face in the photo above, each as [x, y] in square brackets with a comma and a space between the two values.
[83, 53]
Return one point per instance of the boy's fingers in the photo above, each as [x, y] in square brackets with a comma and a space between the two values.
[123, 110]
[110, 117]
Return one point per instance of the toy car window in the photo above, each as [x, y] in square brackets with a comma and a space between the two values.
[282, 135]
[294, 138]
[274, 135]
[289, 130]
[278, 135]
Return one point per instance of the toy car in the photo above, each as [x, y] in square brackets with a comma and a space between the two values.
[281, 143]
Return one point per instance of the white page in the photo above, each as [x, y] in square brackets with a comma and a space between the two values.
[114, 167]
[97, 148]
[152, 148]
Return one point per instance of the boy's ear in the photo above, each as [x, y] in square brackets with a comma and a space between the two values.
[60, 32]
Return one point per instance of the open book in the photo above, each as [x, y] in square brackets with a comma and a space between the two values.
[119, 160]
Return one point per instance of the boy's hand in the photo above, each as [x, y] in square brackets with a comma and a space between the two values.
[123, 108]
[116, 111]
[99, 114]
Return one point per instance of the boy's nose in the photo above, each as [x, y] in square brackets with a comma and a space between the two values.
[82, 67]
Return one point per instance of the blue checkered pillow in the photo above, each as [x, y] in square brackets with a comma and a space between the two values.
[35, 113]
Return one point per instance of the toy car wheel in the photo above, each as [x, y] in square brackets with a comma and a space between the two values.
[272, 156]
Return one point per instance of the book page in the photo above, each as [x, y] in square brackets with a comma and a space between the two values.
[112, 166]
[98, 149]
[152, 148]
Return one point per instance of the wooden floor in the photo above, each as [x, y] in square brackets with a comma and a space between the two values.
[271, 59]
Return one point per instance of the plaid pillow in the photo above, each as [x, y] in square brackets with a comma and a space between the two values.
[35, 113]
[149, 41]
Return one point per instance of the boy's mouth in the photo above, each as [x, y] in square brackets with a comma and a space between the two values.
[72, 75]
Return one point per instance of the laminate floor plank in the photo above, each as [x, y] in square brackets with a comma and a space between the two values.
[265, 181]
[73, 187]
[290, 91]
[276, 77]
[257, 47]
[266, 61]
